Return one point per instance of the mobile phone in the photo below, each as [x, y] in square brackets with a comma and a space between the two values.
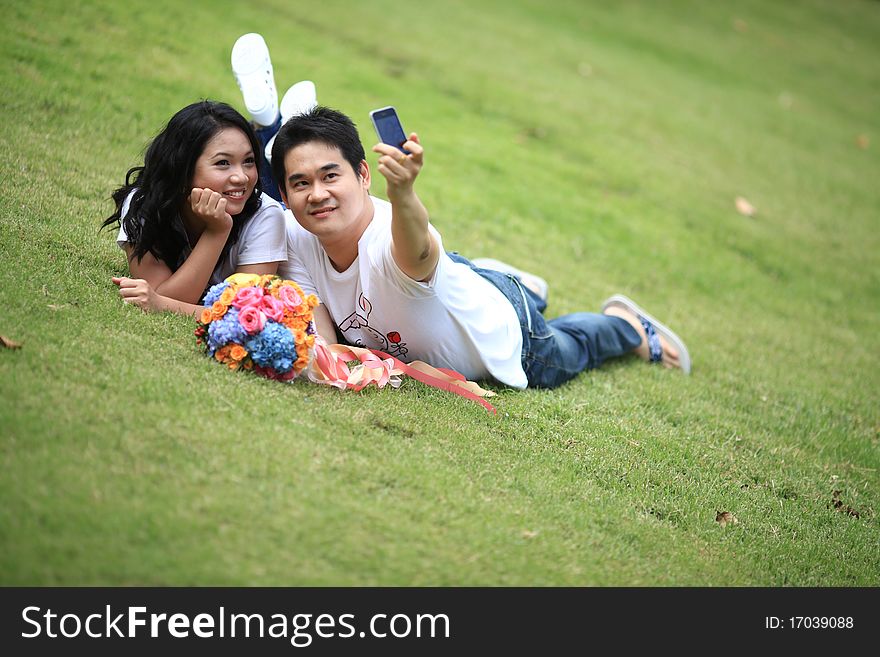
[387, 125]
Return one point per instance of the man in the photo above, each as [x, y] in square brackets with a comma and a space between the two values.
[386, 282]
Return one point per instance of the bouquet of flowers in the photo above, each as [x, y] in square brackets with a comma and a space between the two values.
[265, 324]
[259, 323]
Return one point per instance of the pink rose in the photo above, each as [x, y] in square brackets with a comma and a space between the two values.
[248, 296]
[251, 319]
[273, 308]
[289, 297]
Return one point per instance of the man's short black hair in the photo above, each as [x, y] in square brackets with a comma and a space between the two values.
[324, 125]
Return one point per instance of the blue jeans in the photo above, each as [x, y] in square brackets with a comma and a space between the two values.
[557, 350]
[266, 181]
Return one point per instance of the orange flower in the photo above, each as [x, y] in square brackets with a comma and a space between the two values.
[227, 296]
[218, 309]
[206, 316]
[293, 322]
[222, 354]
[303, 350]
[237, 352]
[275, 286]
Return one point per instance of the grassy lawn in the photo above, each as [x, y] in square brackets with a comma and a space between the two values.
[601, 145]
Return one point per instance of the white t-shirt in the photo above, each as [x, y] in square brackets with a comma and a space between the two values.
[456, 320]
[262, 239]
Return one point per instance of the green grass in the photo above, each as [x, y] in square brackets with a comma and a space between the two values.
[600, 145]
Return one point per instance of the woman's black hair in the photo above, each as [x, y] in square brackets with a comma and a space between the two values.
[152, 222]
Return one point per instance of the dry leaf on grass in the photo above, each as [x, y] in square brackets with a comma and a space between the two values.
[9, 344]
[863, 141]
[724, 518]
[840, 506]
[528, 533]
[740, 25]
[744, 207]
[57, 306]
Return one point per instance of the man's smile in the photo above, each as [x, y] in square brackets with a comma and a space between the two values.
[322, 212]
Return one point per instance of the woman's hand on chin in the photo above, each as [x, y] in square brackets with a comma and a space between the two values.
[210, 207]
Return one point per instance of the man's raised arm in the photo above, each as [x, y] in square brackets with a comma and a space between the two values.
[413, 248]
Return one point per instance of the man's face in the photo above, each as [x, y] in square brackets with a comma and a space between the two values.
[325, 195]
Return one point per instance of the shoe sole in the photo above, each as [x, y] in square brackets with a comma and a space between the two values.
[684, 357]
[301, 98]
[249, 53]
[250, 66]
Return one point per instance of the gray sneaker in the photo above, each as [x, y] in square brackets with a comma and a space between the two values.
[532, 281]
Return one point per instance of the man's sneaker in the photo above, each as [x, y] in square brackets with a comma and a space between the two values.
[532, 281]
[301, 98]
[253, 73]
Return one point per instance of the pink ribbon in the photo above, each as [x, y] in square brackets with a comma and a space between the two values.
[330, 367]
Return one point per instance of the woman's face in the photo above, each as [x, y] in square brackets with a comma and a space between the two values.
[228, 167]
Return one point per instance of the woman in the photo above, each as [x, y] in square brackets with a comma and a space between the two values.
[195, 212]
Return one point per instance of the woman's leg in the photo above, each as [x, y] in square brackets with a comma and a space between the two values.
[252, 68]
[264, 135]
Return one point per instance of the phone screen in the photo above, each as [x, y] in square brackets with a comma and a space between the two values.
[388, 127]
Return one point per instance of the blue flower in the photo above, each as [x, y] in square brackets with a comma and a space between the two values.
[214, 293]
[273, 347]
[225, 330]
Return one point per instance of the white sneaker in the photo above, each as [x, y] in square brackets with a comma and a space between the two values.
[253, 73]
[532, 281]
[301, 98]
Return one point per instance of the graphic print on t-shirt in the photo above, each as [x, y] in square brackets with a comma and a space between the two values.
[392, 343]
